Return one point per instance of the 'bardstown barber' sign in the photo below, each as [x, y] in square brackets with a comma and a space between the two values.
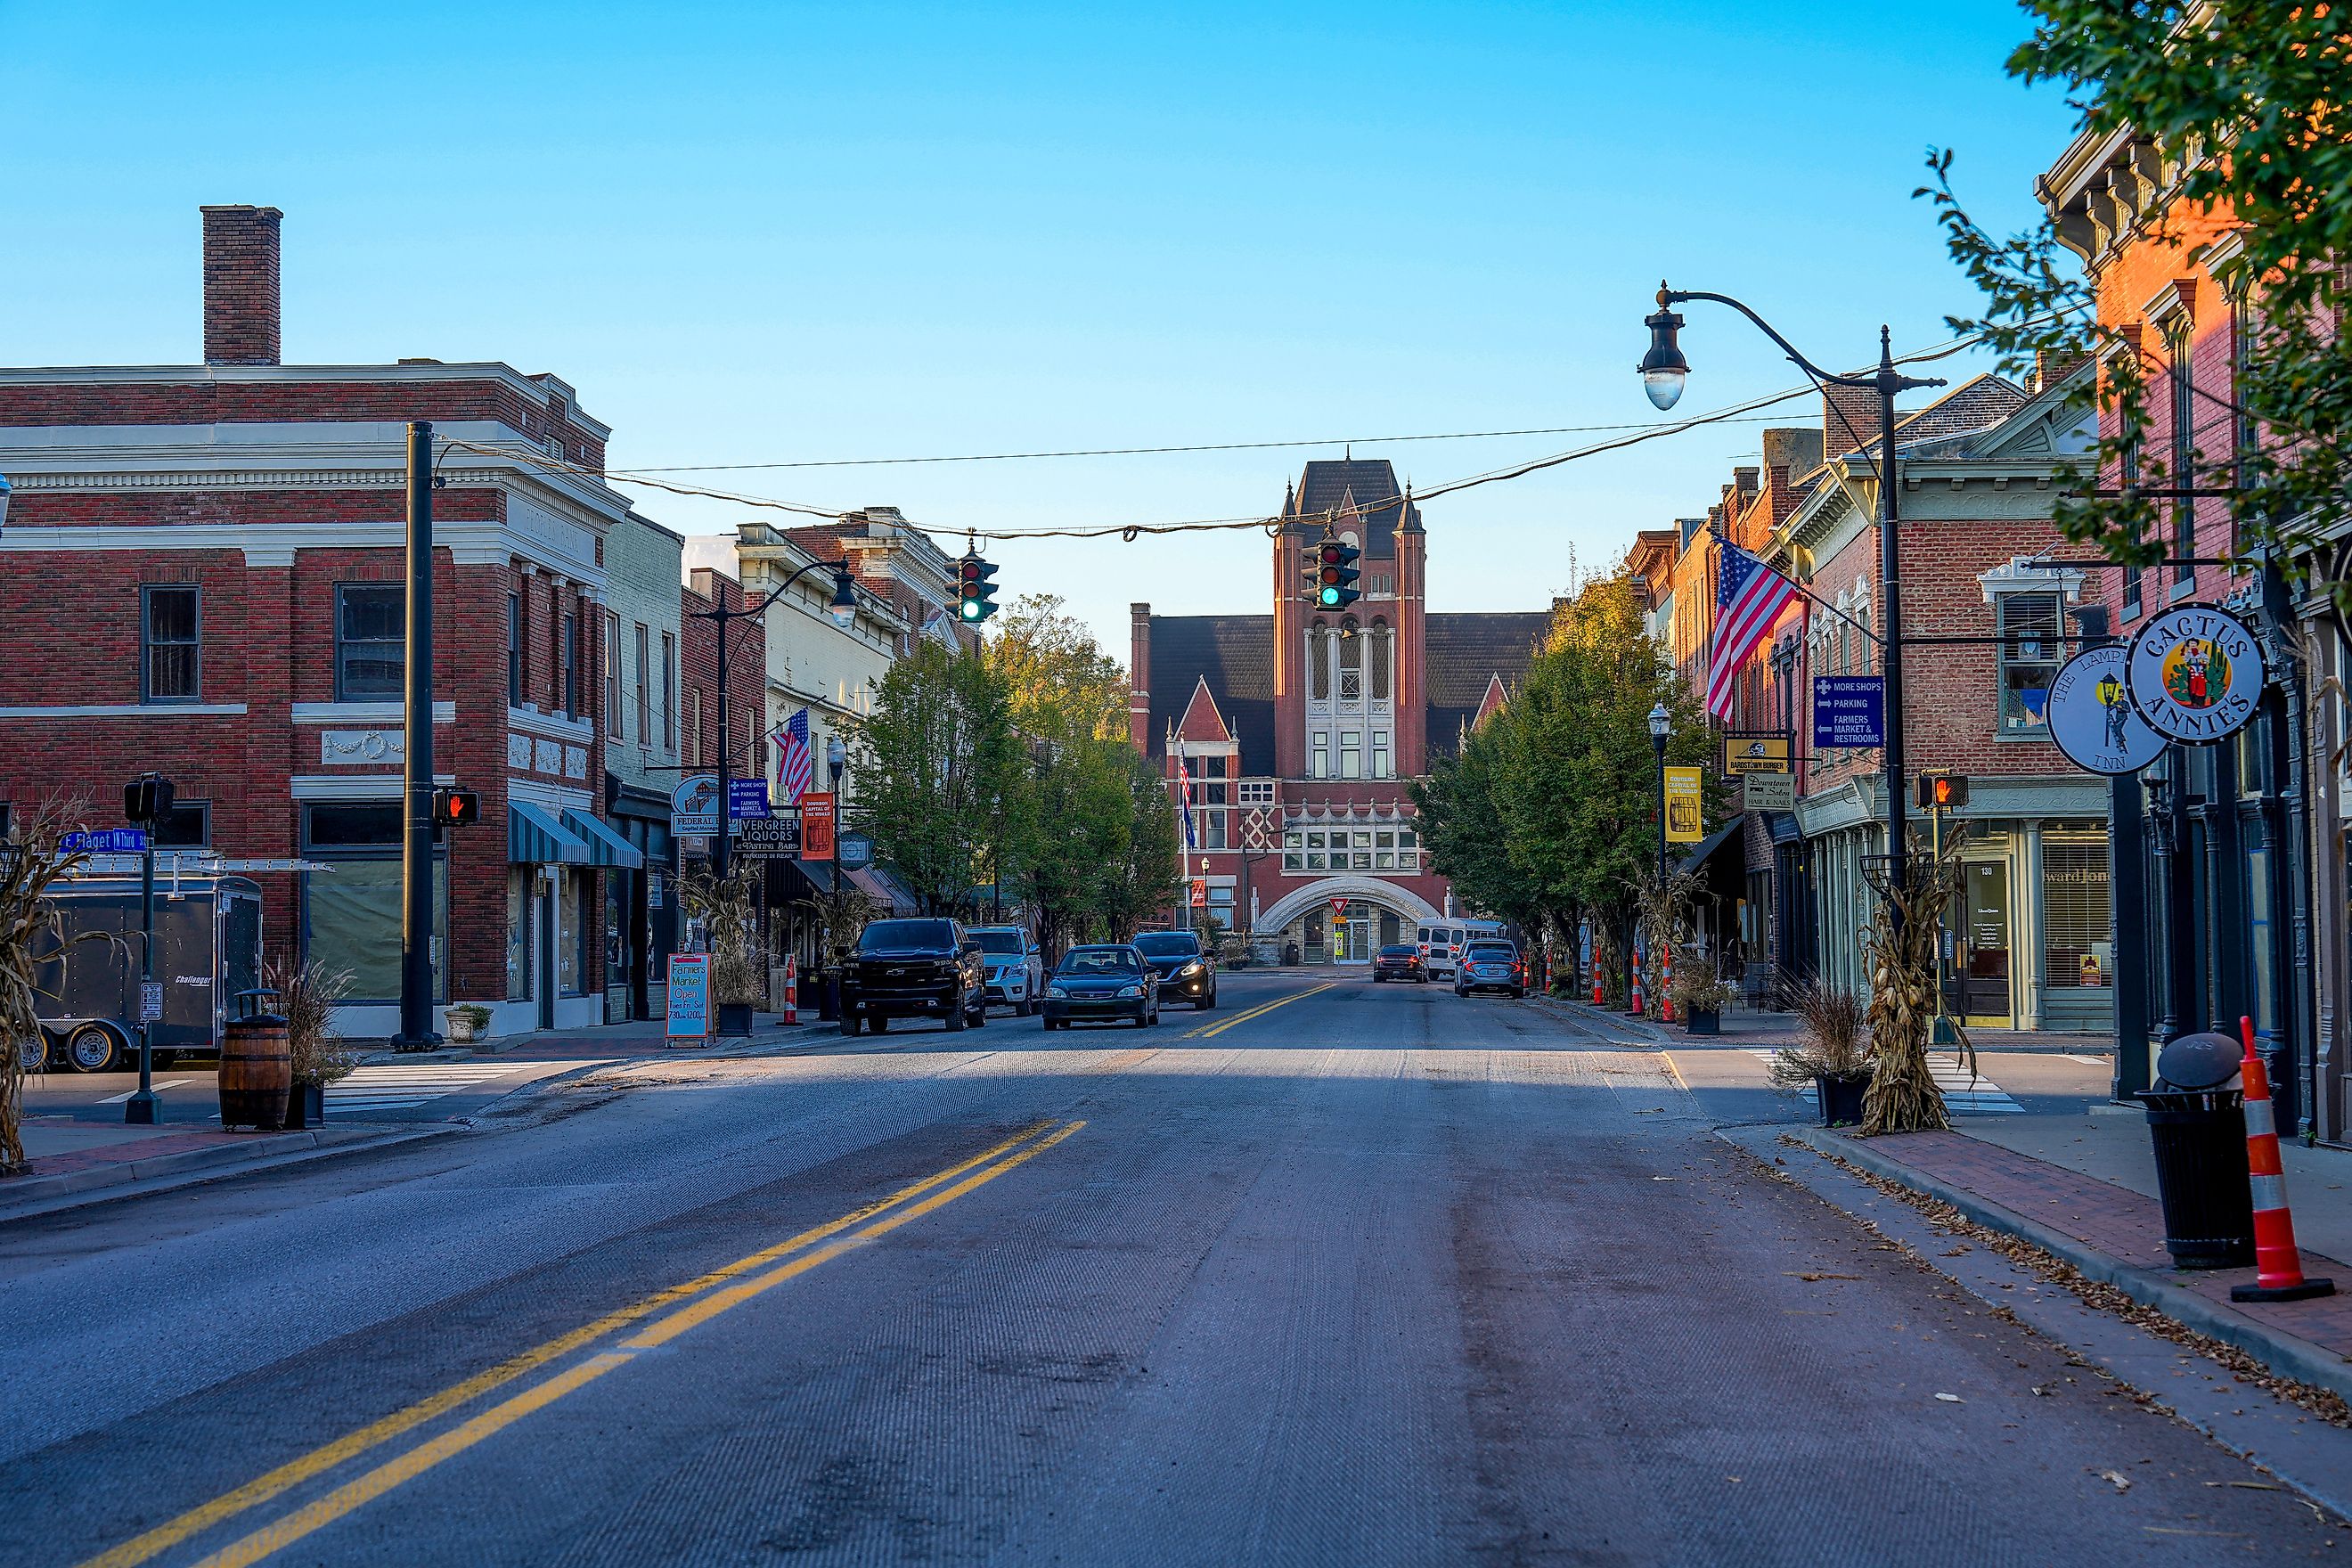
[2195, 673]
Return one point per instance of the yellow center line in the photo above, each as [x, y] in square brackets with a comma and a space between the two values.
[355, 1494]
[1258, 1012]
[294, 1472]
[1676, 1071]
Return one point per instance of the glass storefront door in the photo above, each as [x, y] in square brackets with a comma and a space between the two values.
[1985, 945]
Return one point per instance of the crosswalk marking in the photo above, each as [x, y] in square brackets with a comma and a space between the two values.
[1963, 1095]
[402, 1086]
[160, 1085]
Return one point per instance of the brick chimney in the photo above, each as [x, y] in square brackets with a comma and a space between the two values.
[241, 285]
[1860, 406]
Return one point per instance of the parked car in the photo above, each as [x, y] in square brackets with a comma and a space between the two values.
[1187, 972]
[925, 968]
[1489, 964]
[1102, 982]
[1400, 961]
[1441, 941]
[1015, 969]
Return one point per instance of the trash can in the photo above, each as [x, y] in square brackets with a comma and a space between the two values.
[2197, 1124]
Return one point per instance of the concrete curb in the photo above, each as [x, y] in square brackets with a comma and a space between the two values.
[2284, 1354]
[165, 1173]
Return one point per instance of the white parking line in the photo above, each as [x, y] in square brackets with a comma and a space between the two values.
[161, 1085]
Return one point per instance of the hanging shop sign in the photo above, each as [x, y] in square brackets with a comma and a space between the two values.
[816, 825]
[2195, 673]
[1686, 814]
[1750, 752]
[1849, 711]
[856, 851]
[694, 805]
[769, 838]
[1768, 791]
[2091, 715]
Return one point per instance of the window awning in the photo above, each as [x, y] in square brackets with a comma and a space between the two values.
[882, 888]
[535, 838]
[1712, 843]
[605, 847]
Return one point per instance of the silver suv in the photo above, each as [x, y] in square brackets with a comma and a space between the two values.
[1016, 970]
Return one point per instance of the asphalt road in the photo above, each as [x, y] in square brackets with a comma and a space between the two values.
[1337, 1274]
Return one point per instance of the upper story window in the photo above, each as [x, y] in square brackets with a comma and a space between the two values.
[669, 693]
[1318, 663]
[369, 641]
[645, 685]
[570, 646]
[1382, 641]
[514, 650]
[2031, 652]
[1319, 762]
[171, 634]
[2129, 473]
[1257, 792]
[1351, 662]
[2183, 382]
[612, 677]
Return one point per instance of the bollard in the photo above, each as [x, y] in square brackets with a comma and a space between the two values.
[2278, 1264]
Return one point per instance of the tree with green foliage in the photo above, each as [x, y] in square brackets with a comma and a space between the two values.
[941, 773]
[1145, 879]
[2245, 112]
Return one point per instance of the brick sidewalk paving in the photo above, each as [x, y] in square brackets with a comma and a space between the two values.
[2110, 1222]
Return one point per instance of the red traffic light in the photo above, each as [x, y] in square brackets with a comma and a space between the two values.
[456, 808]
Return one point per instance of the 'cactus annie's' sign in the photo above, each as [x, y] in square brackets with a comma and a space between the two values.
[2195, 673]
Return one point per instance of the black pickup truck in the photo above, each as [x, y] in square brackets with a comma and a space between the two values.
[913, 969]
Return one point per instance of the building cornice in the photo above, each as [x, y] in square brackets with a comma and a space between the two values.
[415, 372]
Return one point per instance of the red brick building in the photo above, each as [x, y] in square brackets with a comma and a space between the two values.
[1302, 730]
[203, 570]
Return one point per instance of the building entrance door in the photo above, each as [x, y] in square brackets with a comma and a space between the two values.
[1984, 947]
[1359, 941]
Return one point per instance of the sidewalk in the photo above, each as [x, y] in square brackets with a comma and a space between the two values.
[2083, 1188]
[1748, 1028]
[639, 1037]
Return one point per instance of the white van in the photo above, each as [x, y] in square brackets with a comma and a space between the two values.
[1441, 943]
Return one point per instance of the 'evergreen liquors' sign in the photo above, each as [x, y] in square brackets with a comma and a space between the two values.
[2195, 673]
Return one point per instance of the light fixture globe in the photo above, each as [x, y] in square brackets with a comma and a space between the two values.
[1660, 722]
[843, 605]
[1663, 369]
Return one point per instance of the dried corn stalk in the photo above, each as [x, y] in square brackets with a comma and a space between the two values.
[30, 860]
[1900, 955]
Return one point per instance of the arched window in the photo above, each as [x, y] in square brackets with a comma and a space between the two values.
[1318, 663]
[1381, 643]
[1351, 662]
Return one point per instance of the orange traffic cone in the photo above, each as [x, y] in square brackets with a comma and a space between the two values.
[1633, 998]
[1667, 985]
[2278, 1265]
[792, 988]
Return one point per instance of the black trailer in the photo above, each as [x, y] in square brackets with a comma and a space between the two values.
[207, 949]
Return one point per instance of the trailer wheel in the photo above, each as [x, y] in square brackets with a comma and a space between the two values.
[93, 1048]
[32, 1053]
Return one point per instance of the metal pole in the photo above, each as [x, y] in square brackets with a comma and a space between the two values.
[2127, 886]
[1890, 598]
[1658, 744]
[142, 1110]
[725, 742]
[416, 1031]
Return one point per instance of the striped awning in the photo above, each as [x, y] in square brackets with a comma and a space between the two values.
[535, 838]
[605, 847]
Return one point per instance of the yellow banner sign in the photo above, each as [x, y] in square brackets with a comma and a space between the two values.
[1686, 811]
[1755, 754]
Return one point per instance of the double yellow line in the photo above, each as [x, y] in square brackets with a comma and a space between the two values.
[1260, 1011]
[696, 1301]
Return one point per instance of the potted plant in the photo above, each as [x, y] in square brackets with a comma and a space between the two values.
[738, 977]
[466, 1021]
[1835, 1055]
[1700, 995]
[306, 995]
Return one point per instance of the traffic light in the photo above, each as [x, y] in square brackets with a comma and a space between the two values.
[147, 798]
[456, 808]
[976, 596]
[1331, 574]
[1943, 792]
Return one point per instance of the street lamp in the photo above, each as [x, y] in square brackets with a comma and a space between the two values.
[836, 758]
[1663, 373]
[841, 607]
[1661, 723]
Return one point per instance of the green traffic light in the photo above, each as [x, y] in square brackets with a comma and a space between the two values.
[1329, 595]
[973, 609]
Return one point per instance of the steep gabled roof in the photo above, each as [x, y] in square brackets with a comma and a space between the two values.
[1202, 721]
[1366, 487]
[1233, 655]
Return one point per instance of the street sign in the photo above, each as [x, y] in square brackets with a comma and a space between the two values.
[688, 1017]
[1755, 751]
[150, 1000]
[856, 851]
[1339, 906]
[1685, 810]
[108, 841]
[2195, 673]
[1849, 711]
[694, 807]
[770, 838]
[816, 826]
[1200, 893]
[2092, 719]
[747, 799]
[1768, 791]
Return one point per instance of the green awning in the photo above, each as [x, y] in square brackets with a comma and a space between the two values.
[605, 847]
[535, 838]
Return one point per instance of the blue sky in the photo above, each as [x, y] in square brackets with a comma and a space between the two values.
[781, 233]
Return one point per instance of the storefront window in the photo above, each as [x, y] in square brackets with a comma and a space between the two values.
[350, 913]
[518, 884]
[2076, 951]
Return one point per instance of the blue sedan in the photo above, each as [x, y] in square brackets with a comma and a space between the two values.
[1103, 983]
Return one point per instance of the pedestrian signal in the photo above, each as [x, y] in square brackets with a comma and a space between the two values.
[1943, 792]
[1331, 574]
[147, 798]
[976, 596]
[456, 808]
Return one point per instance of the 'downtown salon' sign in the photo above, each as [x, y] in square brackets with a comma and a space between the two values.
[2195, 673]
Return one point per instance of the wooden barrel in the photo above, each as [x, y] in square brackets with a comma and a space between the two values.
[257, 1073]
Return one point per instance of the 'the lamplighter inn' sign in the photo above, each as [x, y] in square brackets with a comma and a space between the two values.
[2195, 673]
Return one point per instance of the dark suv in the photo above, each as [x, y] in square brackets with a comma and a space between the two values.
[1187, 971]
[913, 969]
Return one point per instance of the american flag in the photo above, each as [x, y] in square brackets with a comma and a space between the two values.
[1748, 598]
[1184, 795]
[796, 766]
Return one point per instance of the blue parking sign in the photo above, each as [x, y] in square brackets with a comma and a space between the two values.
[1849, 711]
